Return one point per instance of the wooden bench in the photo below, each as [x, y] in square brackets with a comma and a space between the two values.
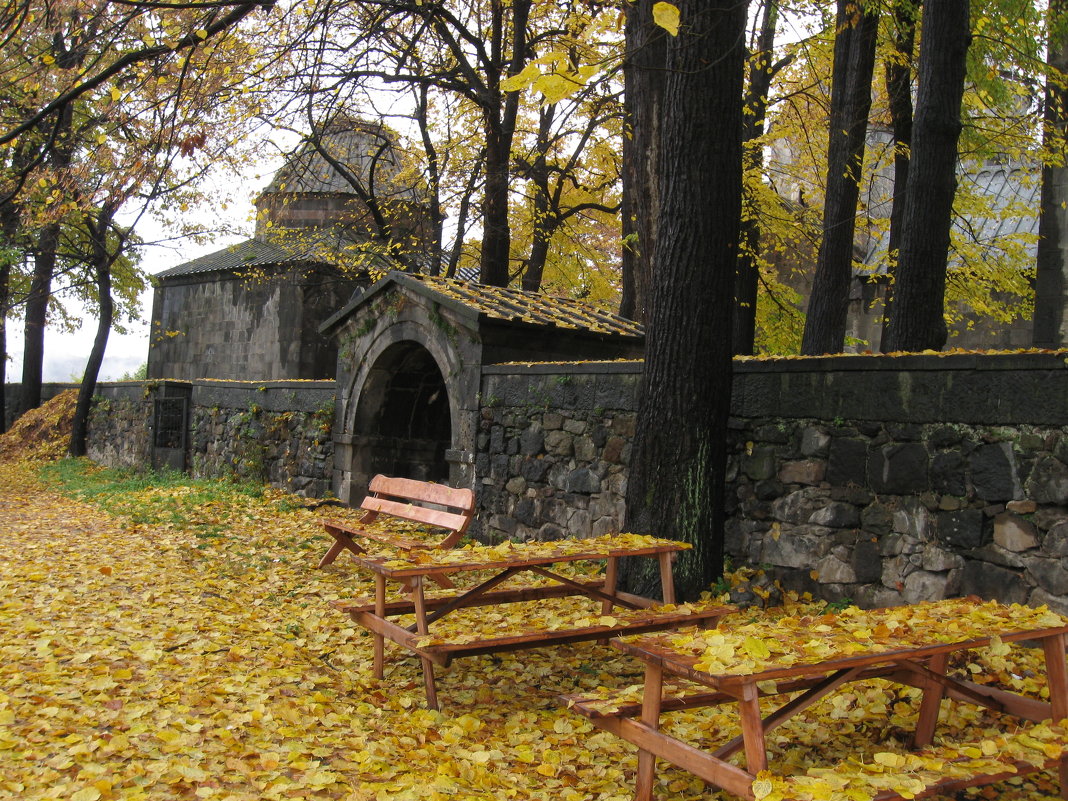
[434, 505]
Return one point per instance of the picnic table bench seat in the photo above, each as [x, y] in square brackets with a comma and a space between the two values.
[408, 501]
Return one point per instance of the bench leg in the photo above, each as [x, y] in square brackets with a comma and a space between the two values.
[1057, 680]
[756, 749]
[667, 579]
[380, 612]
[422, 627]
[342, 542]
[651, 700]
[931, 703]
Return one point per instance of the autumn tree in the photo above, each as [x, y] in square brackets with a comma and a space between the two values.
[854, 63]
[677, 479]
[917, 319]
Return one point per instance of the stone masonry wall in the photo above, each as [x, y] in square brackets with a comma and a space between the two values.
[277, 432]
[880, 480]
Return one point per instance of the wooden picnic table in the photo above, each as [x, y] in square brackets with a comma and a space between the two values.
[501, 563]
[740, 662]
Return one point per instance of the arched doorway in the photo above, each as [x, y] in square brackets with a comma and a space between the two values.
[403, 425]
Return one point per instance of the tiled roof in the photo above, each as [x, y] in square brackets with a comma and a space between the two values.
[519, 306]
[250, 253]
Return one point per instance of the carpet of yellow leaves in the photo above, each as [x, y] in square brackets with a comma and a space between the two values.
[144, 662]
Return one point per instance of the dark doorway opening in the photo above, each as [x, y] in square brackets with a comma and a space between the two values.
[403, 423]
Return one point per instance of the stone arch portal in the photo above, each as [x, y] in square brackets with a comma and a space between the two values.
[402, 424]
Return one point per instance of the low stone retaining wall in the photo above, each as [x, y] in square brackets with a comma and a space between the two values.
[883, 480]
[278, 432]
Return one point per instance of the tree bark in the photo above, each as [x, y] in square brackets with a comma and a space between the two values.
[678, 471]
[102, 260]
[899, 94]
[643, 79]
[36, 317]
[917, 319]
[854, 64]
[1051, 280]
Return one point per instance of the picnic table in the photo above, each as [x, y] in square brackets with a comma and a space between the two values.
[615, 612]
[806, 659]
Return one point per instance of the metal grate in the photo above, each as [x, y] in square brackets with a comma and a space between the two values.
[169, 416]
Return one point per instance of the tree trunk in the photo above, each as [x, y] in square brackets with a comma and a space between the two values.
[917, 319]
[500, 121]
[1051, 280]
[643, 78]
[747, 282]
[854, 63]
[44, 267]
[899, 94]
[102, 260]
[678, 471]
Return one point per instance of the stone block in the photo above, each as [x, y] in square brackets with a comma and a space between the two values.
[815, 441]
[516, 486]
[797, 507]
[997, 555]
[948, 473]
[534, 470]
[847, 458]
[912, 519]
[1050, 574]
[832, 570]
[796, 546]
[582, 480]
[551, 421]
[806, 471]
[899, 469]
[963, 529]
[993, 582]
[623, 425]
[573, 426]
[923, 586]
[585, 449]
[1013, 533]
[836, 515]
[760, 464]
[550, 532]
[944, 437]
[995, 476]
[774, 433]
[1048, 482]
[938, 560]
[768, 490]
[613, 449]
[1026, 507]
[579, 524]
[866, 561]
[1055, 543]
[1059, 604]
[559, 443]
[532, 440]
[877, 519]
[604, 525]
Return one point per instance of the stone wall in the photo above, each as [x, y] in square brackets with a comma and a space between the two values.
[883, 480]
[278, 432]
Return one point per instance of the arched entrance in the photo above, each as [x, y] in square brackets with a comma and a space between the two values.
[403, 425]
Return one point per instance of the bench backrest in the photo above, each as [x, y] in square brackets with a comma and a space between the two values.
[422, 502]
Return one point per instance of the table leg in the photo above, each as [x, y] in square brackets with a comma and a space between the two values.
[654, 683]
[1057, 680]
[756, 750]
[610, 578]
[931, 703]
[380, 612]
[667, 580]
[422, 627]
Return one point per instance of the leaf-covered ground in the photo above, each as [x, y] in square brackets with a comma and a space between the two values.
[169, 639]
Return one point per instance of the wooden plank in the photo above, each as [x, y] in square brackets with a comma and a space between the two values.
[611, 572]
[756, 750]
[342, 542]
[654, 680]
[701, 764]
[379, 642]
[514, 642]
[419, 514]
[992, 698]
[949, 786]
[667, 578]
[424, 491]
[651, 648]
[498, 597]
[430, 565]
[609, 600]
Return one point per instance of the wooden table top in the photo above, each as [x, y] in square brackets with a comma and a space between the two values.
[509, 554]
[741, 652]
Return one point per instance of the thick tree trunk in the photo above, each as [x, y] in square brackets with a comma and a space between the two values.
[854, 63]
[747, 282]
[917, 319]
[677, 479]
[899, 93]
[643, 78]
[102, 260]
[1051, 281]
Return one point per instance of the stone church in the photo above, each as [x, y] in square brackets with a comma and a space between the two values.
[252, 311]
